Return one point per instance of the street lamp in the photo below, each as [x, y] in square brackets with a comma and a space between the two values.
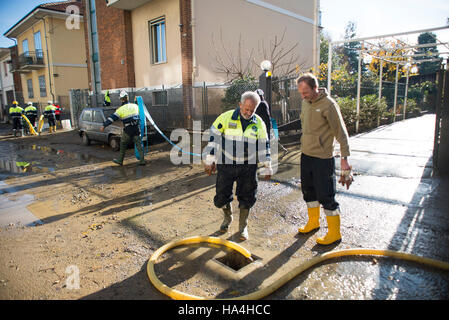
[265, 80]
[266, 65]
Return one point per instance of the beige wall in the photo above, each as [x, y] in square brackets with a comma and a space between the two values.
[68, 57]
[154, 75]
[257, 26]
[65, 47]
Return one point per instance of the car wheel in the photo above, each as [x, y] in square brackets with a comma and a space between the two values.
[86, 140]
[114, 142]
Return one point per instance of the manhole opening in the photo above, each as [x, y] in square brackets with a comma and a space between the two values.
[236, 261]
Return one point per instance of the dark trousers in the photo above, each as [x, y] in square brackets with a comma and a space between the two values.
[51, 121]
[17, 123]
[32, 120]
[125, 140]
[318, 182]
[246, 177]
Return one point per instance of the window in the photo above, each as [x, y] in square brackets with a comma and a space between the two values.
[157, 41]
[5, 65]
[42, 86]
[25, 47]
[38, 45]
[160, 98]
[98, 117]
[87, 115]
[30, 88]
[107, 112]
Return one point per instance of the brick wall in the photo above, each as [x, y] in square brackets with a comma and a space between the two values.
[187, 59]
[115, 46]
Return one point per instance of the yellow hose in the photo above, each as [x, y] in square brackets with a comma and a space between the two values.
[259, 294]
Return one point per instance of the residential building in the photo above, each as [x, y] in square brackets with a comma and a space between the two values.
[7, 90]
[160, 44]
[51, 54]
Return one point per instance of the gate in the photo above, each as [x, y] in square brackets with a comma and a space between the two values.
[79, 99]
[441, 143]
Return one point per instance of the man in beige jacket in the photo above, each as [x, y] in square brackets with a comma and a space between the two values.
[322, 124]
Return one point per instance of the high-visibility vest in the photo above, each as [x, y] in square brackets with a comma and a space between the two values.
[128, 113]
[31, 110]
[58, 110]
[49, 110]
[236, 145]
[15, 112]
[107, 99]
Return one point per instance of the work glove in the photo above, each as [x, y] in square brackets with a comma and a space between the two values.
[346, 178]
[209, 164]
[266, 170]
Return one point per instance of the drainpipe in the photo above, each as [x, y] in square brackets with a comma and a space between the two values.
[194, 67]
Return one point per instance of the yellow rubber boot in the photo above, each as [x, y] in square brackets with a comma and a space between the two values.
[54, 128]
[333, 232]
[50, 129]
[314, 220]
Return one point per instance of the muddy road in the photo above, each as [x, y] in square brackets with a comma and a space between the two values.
[71, 214]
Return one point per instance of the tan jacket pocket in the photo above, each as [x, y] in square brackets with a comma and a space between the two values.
[311, 145]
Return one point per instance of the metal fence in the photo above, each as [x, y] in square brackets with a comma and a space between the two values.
[164, 105]
[209, 100]
[285, 101]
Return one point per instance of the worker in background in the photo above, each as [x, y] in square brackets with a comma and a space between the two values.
[129, 114]
[263, 111]
[322, 124]
[58, 113]
[15, 113]
[107, 99]
[238, 141]
[31, 113]
[49, 114]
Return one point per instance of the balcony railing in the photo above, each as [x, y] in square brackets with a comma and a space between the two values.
[27, 61]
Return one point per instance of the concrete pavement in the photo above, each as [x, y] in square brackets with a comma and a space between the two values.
[395, 203]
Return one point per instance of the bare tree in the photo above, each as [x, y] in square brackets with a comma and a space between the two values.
[285, 59]
[233, 65]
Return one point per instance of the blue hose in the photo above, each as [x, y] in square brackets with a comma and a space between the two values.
[150, 119]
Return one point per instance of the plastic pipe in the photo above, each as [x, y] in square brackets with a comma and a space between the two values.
[263, 292]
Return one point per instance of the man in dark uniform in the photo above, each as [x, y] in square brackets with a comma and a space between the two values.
[129, 114]
[15, 113]
[238, 140]
[263, 111]
[31, 113]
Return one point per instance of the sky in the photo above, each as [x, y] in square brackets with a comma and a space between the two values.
[11, 11]
[381, 17]
[372, 18]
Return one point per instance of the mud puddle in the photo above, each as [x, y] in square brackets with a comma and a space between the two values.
[28, 159]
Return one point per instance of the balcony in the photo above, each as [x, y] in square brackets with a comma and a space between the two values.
[126, 4]
[28, 61]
